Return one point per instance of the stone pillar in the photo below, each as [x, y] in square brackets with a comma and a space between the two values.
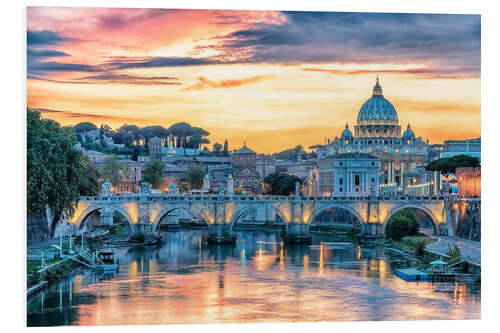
[206, 183]
[106, 216]
[230, 185]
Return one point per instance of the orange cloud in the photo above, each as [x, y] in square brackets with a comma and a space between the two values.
[204, 83]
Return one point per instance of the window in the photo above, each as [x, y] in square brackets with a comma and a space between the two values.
[356, 180]
[396, 150]
[373, 163]
[373, 180]
[370, 150]
[406, 150]
[340, 163]
[340, 189]
[340, 182]
[348, 150]
[357, 189]
[386, 150]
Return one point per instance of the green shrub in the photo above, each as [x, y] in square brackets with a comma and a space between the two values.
[402, 224]
[137, 237]
[453, 253]
[420, 250]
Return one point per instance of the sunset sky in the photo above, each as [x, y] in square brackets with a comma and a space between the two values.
[272, 79]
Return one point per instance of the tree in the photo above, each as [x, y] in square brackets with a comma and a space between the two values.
[54, 169]
[225, 151]
[291, 154]
[194, 177]
[402, 224]
[149, 132]
[217, 147]
[448, 165]
[110, 170]
[153, 173]
[84, 127]
[279, 183]
[183, 133]
[420, 250]
[135, 153]
[89, 184]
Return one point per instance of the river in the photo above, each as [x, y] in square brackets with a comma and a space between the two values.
[258, 280]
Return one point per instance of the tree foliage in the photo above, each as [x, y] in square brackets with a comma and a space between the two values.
[194, 177]
[280, 183]
[89, 181]
[153, 173]
[110, 170]
[402, 224]
[448, 165]
[217, 148]
[54, 168]
[294, 153]
[225, 150]
[84, 127]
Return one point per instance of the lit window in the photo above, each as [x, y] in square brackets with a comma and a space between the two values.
[396, 150]
[406, 150]
[348, 150]
[370, 150]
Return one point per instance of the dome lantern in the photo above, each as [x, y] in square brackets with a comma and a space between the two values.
[346, 133]
[408, 134]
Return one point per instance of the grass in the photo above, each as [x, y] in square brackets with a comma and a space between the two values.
[409, 243]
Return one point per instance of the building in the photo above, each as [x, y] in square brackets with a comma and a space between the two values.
[471, 147]
[244, 163]
[311, 183]
[155, 148]
[421, 182]
[349, 174]
[378, 133]
[219, 179]
[265, 166]
[469, 182]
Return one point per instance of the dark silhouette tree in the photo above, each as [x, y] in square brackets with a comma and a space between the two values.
[225, 151]
[448, 165]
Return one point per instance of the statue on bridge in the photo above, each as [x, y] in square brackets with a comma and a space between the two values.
[106, 189]
[145, 188]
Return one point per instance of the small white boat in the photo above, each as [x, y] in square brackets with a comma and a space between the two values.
[107, 262]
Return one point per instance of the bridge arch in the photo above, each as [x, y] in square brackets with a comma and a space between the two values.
[165, 212]
[241, 213]
[427, 212]
[338, 206]
[92, 209]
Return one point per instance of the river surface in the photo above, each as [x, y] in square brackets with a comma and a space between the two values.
[258, 280]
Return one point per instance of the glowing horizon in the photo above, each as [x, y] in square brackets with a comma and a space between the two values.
[272, 79]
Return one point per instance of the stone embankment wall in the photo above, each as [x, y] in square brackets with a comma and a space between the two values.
[37, 229]
[469, 221]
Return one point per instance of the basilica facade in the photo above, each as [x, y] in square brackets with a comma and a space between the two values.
[378, 133]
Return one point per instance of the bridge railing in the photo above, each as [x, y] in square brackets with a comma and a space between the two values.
[267, 198]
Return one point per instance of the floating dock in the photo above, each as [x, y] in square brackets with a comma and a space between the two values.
[411, 275]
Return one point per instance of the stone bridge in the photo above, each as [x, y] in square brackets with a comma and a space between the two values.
[147, 211]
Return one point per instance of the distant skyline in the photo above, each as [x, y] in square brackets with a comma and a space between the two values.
[272, 79]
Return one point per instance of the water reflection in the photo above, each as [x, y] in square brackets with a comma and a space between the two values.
[259, 279]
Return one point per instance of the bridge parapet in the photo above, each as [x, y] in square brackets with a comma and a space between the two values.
[150, 208]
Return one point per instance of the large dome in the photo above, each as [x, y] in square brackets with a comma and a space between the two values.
[377, 109]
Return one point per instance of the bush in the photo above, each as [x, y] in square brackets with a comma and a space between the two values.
[402, 224]
[454, 253]
[420, 250]
[137, 237]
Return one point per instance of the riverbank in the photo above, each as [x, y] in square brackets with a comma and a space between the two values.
[57, 267]
[410, 244]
